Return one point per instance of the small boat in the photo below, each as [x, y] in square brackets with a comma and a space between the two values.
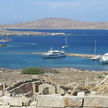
[66, 44]
[54, 54]
[5, 39]
[104, 59]
[95, 57]
[3, 45]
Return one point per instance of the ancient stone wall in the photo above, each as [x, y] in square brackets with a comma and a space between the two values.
[25, 88]
[53, 101]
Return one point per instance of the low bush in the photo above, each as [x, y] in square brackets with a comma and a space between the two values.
[32, 71]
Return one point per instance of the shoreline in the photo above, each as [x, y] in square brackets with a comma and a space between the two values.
[73, 68]
[6, 32]
[27, 33]
[68, 73]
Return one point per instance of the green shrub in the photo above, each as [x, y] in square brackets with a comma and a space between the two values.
[32, 71]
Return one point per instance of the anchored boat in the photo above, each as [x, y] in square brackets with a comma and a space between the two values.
[104, 59]
[5, 39]
[3, 45]
[54, 54]
[95, 57]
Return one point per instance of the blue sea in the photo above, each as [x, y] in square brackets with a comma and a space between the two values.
[18, 53]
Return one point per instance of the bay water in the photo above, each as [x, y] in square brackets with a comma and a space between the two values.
[18, 52]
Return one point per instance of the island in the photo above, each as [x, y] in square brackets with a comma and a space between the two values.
[56, 23]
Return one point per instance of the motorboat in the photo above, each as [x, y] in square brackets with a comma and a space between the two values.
[104, 59]
[54, 54]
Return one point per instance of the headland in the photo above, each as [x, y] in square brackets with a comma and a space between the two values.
[27, 33]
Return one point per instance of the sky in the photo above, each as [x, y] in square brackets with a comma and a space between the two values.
[14, 11]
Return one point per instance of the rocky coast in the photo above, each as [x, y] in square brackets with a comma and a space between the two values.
[26, 33]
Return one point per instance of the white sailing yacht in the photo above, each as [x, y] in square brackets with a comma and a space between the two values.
[95, 57]
[5, 39]
[66, 44]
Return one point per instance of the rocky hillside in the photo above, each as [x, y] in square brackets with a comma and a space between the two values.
[57, 23]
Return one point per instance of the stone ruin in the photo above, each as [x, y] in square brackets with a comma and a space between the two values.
[41, 94]
[34, 86]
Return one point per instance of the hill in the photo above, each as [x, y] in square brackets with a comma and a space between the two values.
[57, 23]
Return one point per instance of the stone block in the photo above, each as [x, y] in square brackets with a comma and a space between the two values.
[50, 101]
[16, 103]
[81, 94]
[5, 100]
[1, 93]
[55, 101]
[45, 107]
[73, 101]
[33, 104]
[19, 107]
[20, 101]
[96, 101]
[7, 94]
[4, 106]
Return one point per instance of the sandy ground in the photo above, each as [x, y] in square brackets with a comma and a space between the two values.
[63, 76]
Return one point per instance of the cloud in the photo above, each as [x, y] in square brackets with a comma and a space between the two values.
[54, 4]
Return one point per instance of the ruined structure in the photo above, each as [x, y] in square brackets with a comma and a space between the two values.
[36, 93]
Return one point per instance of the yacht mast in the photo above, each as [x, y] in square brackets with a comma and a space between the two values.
[95, 48]
[66, 40]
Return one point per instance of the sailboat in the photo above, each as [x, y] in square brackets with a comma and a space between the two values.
[5, 39]
[66, 44]
[95, 57]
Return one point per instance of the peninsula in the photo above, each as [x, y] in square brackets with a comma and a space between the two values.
[27, 33]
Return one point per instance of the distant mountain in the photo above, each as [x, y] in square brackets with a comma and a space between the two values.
[57, 23]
